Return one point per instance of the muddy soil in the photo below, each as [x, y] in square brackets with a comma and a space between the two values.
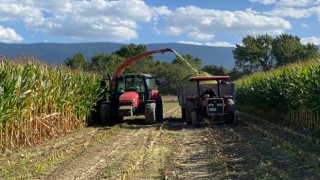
[255, 149]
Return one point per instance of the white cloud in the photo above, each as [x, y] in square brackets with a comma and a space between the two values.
[220, 44]
[217, 44]
[209, 22]
[189, 42]
[294, 12]
[13, 11]
[266, 2]
[314, 40]
[200, 36]
[288, 3]
[8, 35]
[298, 3]
[97, 20]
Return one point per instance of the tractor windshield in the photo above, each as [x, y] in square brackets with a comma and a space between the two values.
[130, 84]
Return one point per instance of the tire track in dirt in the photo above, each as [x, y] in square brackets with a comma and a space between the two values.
[244, 152]
[94, 162]
[103, 153]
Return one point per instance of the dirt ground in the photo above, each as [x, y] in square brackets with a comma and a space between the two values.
[256, 149]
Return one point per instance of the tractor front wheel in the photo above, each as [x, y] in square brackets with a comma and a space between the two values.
[105, 113]
[231, 118]
[150, 112]
[194, 118]
[159, 108]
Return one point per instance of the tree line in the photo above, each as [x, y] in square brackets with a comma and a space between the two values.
[263, 52]
[256, 53]
[170, 73]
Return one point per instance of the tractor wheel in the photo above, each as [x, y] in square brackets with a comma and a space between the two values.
[231, 119]
[159, 108]
[235, 120]
[183, 112]
[105, 113]
[189, 109]
[194, 118]
[150, 112]
[91, 118]
[119, 119]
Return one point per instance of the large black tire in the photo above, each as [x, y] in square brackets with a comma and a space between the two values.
[159, 108]
[189, 109]
[194, 118]
[183, 112]
[150, 112]
[92, 118]
[231, 118]
[105, 113]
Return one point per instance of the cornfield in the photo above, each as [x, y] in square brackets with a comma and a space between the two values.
[39, 102]
[289, 93]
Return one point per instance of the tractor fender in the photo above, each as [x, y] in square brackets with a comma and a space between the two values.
[154, 94]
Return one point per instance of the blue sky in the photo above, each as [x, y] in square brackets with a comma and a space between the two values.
[202, 22]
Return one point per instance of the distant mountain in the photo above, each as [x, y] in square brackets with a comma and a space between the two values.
[56, 53]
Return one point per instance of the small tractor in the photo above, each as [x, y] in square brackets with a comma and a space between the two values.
[212, 98]
[131, 94]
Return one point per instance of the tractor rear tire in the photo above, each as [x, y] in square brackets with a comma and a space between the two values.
[105, 113]
[159, 109]
[150, 112]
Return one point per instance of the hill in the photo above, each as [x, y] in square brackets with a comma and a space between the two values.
[56, 53]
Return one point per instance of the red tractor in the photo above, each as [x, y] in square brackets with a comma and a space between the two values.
[211, 97]
[131, 94]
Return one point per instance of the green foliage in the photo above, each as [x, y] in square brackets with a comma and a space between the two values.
[255, 54]
[105, 63]
[215, 70]
[78, 61]
[263, 53]
[287, 49]
[127, 51]
[294, 87]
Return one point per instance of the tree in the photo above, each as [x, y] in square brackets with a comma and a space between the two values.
[78, 61]
[128, 51]
[255, 54]
[105, 63]
[262, 53]
[288, 49]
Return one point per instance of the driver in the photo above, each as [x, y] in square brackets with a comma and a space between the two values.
[208, 92]
[132, 85]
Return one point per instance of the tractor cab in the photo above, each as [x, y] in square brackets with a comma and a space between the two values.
[141, 84]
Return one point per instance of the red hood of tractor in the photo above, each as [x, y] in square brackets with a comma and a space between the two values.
[130, 98]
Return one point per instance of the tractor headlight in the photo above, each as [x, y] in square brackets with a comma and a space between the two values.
[229, 102]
